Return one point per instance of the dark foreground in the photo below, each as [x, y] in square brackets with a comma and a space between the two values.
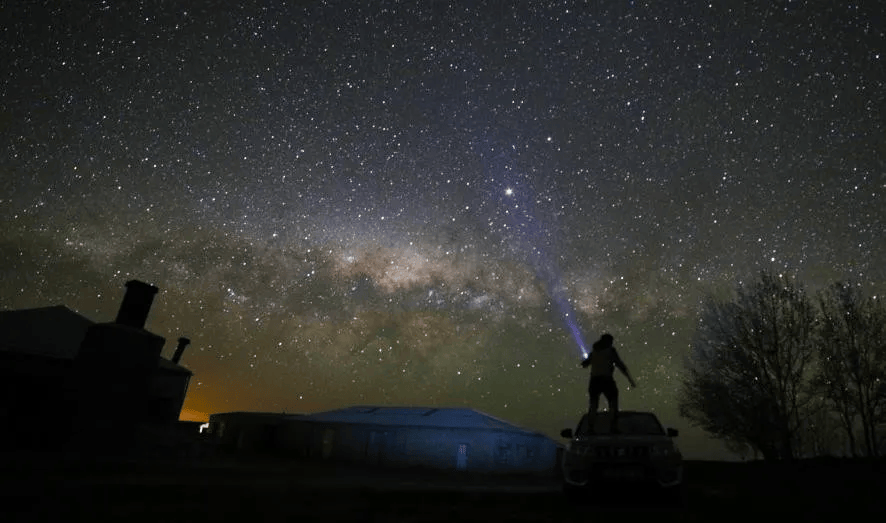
[55, 488]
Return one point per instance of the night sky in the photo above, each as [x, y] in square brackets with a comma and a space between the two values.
[420, 203]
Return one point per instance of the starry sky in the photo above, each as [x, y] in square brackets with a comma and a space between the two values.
[434, 203]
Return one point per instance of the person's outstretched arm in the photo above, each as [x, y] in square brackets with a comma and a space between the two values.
[586, 362]
[623, 368]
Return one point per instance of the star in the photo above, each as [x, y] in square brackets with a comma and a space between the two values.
[345, 202]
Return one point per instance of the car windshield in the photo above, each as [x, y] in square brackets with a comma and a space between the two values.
[639, 423]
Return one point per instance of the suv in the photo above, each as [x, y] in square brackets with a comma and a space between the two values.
[641, 452]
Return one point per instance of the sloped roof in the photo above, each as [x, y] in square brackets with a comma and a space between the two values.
[54, 332]
[444, 417]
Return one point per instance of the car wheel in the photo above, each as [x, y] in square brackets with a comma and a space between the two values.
[574, 494]
[674, 497]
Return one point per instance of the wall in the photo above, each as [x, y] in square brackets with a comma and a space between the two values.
[37, 401]
[167, 395]
[467, 449]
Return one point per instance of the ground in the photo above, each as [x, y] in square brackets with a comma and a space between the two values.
[59, 488]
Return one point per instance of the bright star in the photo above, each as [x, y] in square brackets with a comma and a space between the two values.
[509, 191]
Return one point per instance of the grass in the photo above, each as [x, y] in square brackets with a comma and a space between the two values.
[60, 488]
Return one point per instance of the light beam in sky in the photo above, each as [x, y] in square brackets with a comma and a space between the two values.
[528, 238]
[545, 269]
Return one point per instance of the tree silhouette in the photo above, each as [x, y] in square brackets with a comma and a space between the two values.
[852, 361]
[748, 377]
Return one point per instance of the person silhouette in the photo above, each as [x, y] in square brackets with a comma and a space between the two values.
[603, 359]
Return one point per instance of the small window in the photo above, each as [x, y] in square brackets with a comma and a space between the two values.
[461, 456]
[503, 453]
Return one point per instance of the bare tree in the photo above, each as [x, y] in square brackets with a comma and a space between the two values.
[852, 361]
[748, 377]
[822, 432]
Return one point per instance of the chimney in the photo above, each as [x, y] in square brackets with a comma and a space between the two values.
[182, 343]
[136, 304]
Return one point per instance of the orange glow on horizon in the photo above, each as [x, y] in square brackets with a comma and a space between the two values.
[202, 412]
[193, 415]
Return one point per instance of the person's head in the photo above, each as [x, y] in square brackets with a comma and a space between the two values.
[605, 340]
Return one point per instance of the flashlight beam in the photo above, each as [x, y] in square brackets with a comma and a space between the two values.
[528, 239]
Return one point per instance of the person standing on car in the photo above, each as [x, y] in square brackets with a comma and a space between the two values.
[603, 359]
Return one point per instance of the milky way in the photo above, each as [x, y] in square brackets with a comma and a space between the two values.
[398, 202]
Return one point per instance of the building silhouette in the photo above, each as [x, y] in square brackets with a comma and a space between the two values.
[431, 438]
[66, 380]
